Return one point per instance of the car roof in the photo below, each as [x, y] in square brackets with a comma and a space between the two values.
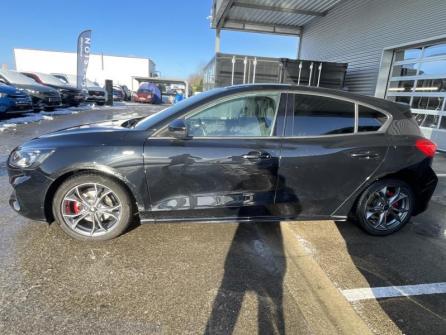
[395, 109]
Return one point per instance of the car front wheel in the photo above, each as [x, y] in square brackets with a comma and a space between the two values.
[92, 207]
[385, 206]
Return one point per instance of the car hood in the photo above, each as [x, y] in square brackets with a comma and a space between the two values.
[101, 127]
[36, 87]
[95, 88]
[65, 87]
[94, 134]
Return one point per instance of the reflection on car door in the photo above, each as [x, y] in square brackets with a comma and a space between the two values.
[323, 159]
[228, 169]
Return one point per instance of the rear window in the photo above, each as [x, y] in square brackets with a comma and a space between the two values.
[370, 119]
[315, 116]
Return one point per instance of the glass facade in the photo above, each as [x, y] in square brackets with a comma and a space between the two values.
[418, 79]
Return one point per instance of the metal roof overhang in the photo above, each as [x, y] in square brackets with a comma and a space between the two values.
[286, 17]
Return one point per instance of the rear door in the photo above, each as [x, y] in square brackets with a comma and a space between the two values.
[226, 169]
[327, 152]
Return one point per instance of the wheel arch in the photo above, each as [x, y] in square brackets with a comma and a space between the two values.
[67, 174]
[408, 175]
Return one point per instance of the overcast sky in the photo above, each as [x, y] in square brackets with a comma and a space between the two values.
[175, 34]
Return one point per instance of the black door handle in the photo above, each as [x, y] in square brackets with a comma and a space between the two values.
[365, 155]
[256, 155]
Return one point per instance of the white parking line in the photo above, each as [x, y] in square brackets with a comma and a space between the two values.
[441, 175]
[393, 291]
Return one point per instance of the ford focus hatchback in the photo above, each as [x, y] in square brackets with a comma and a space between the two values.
[245, 153]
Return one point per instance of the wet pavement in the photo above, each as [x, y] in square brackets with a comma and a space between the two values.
[192, 278]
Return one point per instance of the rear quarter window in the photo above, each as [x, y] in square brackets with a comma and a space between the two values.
[370, 119]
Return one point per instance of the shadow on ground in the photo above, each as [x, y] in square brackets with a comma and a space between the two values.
[404, 258]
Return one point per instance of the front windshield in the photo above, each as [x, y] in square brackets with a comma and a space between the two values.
[153, 119]
[49, 79]
[17, 78]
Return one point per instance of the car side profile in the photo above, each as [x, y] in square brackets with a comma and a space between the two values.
[263, 152]
[70, 95]
[43, 97]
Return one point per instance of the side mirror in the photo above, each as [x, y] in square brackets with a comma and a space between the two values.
[178, 129]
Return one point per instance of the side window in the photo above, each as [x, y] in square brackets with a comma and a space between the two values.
[245, 116]
[370, 119]
[315, 116]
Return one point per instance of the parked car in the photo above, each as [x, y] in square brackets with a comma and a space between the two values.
[13, 99]
[95, 93]
[263, 152]
[148, 93]
[127, 93]
[70, 95]
[43, 97]
[118, 93]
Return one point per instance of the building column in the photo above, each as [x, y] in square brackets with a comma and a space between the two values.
[217, 40]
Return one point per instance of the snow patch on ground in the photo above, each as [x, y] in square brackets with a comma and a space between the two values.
[44, 115]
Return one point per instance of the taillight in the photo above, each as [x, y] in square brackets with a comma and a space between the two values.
[426, 146]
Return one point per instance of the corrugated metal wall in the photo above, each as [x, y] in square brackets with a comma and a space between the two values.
[357, 31]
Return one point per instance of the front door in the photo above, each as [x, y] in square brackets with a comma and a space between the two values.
[226, 169]
[327, 153]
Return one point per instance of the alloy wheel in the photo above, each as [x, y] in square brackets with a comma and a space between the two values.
[91, 209]
[387, 207]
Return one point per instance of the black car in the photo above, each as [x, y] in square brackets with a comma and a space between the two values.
[247, 153]
[118, 93]
[43, 97]
[127, 93]
[71, 96]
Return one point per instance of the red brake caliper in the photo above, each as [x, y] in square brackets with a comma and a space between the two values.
[72, 207]
[390, 194]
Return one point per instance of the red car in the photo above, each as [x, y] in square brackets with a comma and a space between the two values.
[148, 93]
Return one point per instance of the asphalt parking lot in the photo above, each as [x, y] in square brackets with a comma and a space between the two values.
[190, 278]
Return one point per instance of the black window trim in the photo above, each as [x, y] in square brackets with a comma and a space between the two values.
[356, 103]
[280, 94]
[284, 95]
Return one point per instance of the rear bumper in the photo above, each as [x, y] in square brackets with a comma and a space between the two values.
[427, 182]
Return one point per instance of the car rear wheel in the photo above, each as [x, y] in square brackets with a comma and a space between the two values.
[92, 207]
[385, 207]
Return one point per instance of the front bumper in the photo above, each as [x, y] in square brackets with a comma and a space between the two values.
[30, 189]
[71, 99]
[15, 104]
[43, 102]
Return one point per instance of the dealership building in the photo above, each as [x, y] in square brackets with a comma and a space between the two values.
[122, 70]
[395, 49]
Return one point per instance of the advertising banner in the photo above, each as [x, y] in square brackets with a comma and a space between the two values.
[83, 57]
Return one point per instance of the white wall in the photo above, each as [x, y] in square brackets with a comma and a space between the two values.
[118, 69]
[357, 32]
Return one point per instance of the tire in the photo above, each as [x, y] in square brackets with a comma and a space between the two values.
[49, 109]
[379, 212]
[100, 103]
[109, 222]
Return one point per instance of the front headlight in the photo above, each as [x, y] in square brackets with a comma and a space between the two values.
[26, 158]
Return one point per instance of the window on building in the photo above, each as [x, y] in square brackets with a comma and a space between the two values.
[316, 115]
[418, 79]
